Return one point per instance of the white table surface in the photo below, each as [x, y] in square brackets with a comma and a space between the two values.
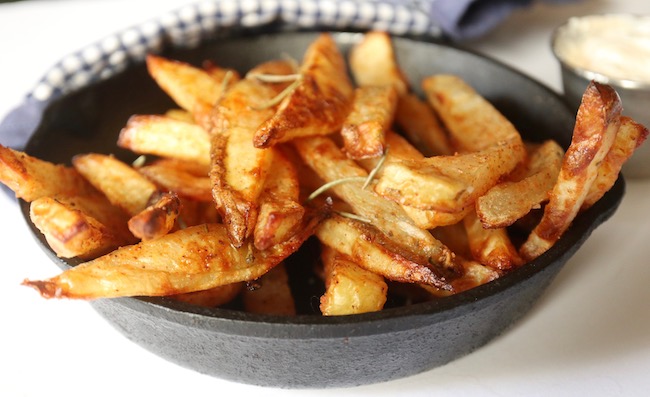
[589, 335]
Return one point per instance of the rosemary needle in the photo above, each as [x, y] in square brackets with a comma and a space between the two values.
[333, 183]
[374, 171]
[278, 98]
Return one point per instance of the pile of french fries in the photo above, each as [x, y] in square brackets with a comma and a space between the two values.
[419, 196]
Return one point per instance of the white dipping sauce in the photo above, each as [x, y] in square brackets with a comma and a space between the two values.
[616, 46]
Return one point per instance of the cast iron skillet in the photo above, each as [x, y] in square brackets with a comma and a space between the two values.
[311, 351]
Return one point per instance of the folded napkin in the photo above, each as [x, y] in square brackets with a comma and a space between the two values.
[188, 26]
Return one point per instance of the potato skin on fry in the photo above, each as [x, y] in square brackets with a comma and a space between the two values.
[192, 259]
[597, 123]
[318, 105]
[31, 178]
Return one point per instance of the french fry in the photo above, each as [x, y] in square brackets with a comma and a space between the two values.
[172, 177]
[365, 127]
[349, 289]
[192, 259]
[329, 162]
[81, 226]
[401, 149]
[597, 123]
[280, 211]
[446, 183]
[373, 63]
[31, 178]
[192, 88]
[630, 136]
[368, 248]
[180, 115]
[473, 123]
[124, 187]
[238, 168]
[272, 295]
[157, 219]
[421, 126]
[318, 104]
[212, 297]
[167, 137]
[509, 201]
[491, 247]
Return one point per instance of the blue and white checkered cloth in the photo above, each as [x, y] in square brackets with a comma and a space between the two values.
[191, 25]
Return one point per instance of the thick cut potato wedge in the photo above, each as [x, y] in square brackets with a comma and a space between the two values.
[509, 201]
[349, 288]
[167, 137]
[401, 149]
[172, 176]
[473, 123]
[319, 103]
[491, 247]
[367, 247]
[280, 209]
[446, 183]
[629, 137]
[329, 162]
[597, 123]
[157, 219]
[192, 259]
[193, 89]
[418, 122]
[365, 127]
[373, 63]
[124, 187]
[238, 168]
[271, 295]
[81, 226]
[31, 178]
[212, 297]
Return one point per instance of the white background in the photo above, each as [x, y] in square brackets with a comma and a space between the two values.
[589, 335]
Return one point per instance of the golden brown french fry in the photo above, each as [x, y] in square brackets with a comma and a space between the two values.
[192, 88]
[280, 211]
[368, 248]
[180, 115]
[597, 123]
[329, 162]
[157, 219]
[373, 63]
[80, 226]
[509, 201]
[349, 289]
[473, 123]
[629, 137]
[491, 247]
[271, 295]
[318, 104]
[173, 177]
[212, 297]
[421, 126]
[31, 178]
[167, 137]
[446, 183]
[124, 187]
[193, 259]
[238, 168]
[365, 127]
[401, 149]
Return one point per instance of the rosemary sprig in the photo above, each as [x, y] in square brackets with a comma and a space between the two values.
[353, 216]
[375, 170]
[333, 183]
[278, 98]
